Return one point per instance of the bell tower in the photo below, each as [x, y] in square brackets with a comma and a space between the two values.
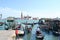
[21, 15]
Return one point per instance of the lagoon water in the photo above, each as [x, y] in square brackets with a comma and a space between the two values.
[32, 35]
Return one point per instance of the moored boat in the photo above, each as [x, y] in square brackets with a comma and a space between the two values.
[56, 33]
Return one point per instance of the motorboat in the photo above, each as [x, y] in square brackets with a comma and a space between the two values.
[19, 32]
[39, 34]
[28, 28]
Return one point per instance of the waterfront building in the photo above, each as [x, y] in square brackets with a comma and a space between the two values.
[27, 17]
[52, 24]
[47, 22]
[56, 25]
[36, 18]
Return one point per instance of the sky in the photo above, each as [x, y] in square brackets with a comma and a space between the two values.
[34, 8]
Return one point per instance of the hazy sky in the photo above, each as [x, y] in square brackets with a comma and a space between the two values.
[34, 8]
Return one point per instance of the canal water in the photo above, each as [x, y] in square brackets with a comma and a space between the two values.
[32, 35]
